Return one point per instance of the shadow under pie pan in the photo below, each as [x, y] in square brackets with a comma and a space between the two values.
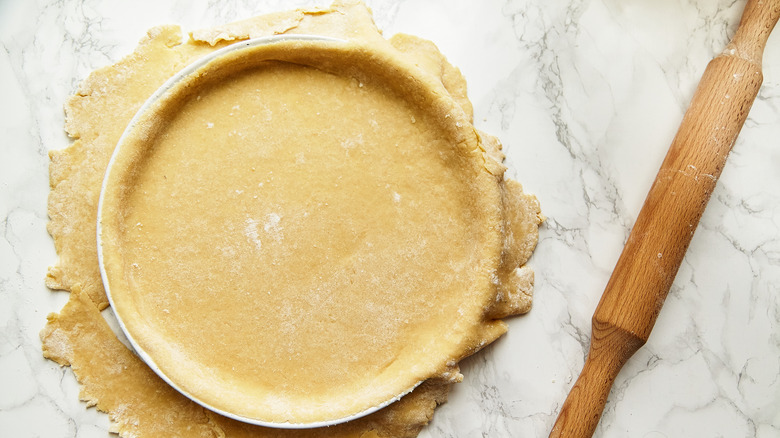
[295, 231]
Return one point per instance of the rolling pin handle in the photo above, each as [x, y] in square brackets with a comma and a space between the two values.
[582, 409]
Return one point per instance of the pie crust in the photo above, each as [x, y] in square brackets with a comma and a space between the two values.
[301, 272]
[300, 231]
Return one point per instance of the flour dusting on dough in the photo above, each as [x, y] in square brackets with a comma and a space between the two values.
[252, 232]
[352, 142]
[272, 226]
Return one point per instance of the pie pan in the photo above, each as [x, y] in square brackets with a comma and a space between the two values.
[287, 255]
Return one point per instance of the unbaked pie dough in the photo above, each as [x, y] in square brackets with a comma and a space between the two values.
[297, 233]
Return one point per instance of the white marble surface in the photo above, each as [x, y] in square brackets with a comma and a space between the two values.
[586, 96]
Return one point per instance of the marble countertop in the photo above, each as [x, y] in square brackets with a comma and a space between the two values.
[586, 96]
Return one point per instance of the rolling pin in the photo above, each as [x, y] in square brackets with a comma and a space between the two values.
[659, 239]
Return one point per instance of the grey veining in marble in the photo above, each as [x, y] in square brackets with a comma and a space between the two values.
[586, 96]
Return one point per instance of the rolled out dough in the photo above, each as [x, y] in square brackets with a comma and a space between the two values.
[319, 232]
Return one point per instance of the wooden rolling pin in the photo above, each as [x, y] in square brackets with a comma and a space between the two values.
[657, 243]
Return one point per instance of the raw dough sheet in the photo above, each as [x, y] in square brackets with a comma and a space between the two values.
[138, 402]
